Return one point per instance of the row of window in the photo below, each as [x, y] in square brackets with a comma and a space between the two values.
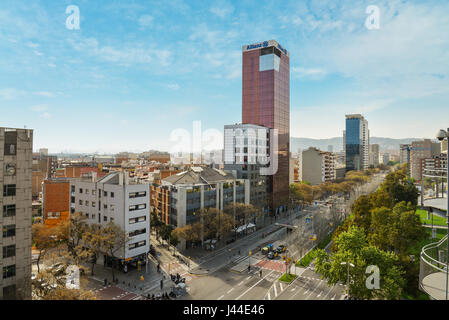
[137, 220]
[105, 218]
[137, 194]
[138, 207]
[137, 244]
[94, 192]
[137, 232]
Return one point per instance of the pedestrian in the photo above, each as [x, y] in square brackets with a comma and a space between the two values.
[162, 284]
[249, 268]
[158, 267]
[260, 272]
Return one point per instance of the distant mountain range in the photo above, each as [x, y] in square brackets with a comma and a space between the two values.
[337, 143]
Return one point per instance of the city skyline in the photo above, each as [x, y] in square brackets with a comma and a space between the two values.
[135, 72]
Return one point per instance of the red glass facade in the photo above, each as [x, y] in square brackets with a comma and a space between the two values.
[266, 102]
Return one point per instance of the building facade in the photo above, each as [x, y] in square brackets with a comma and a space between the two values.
[56, 201]
[266, 102]
[246, 149]
[356, 142]
[16, 154]
[420, 150]
[374, 153]
[318, 166]
[118, 199]
[184, 194]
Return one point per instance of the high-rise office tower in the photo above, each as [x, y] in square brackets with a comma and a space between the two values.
[266, 102]
[356, 140]
[16, 161]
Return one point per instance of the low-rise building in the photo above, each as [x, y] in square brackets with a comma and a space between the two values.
[118, 199]
[318, 166]
[182, 195]
[56, 201]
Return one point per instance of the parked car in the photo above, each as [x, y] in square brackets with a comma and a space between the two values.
[272, 254]
[281, 248]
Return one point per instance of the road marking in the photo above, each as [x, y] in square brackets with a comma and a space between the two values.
[229, 291]
[221, 297]
[319, 294]
[252, 286]
[275, 291]
[240, 283]
[282, 288]
[248, 278]
[334, 296]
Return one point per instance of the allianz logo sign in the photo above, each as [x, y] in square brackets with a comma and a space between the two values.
[258, 45]
[264, 45]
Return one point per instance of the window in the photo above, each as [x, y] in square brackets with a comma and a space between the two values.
[112, 207]
[94, 204]
[72, 188]
[99, 193]
[112, 194]
[137, 232]
[9, 271]
[87, 191]
[105, 206]
[105, 219]
[72, 199]
[94, 192]
[137, 194]
[9, 251]
[105, 193]
[9, 210]
[81, 190]
[9, 292]
[137, 244]
[81, 202]
[9, 190]
[136, 220]
[93, 216]
[9, 231]
[53, 215]
[138, 207]
[87, 215]
[87, 202]
[10, 143]
[111, 219]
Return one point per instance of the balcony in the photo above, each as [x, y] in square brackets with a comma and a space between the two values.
[432, 274]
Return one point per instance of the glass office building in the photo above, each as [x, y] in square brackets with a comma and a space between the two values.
[266, 102]
[356, 141]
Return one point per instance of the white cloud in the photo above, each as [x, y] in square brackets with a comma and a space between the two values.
[145, 21]
[10, 93]
[222, 8]
[304, 72]
[39, 108]
[45, 94]
[173, 86]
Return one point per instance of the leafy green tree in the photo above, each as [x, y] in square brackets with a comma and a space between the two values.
[352, 247]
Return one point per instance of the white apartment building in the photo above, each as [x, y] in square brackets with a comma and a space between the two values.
[118, 199]
[16, 162]
[318, 166]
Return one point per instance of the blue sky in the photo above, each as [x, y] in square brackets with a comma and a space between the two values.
[136, 70]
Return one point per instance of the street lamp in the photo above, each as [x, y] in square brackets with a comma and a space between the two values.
[444, 135]
[348, 264]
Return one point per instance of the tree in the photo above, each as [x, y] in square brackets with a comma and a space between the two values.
[352, 247]
[113, 240]
[362, 212]
[156, 223]
[44, 238]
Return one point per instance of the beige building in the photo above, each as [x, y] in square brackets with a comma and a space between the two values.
[420, 150]
[444, 146]
[318, 166]
[373, 157]
[16, 149]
